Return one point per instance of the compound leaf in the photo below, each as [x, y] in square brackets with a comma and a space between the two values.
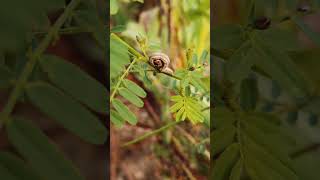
[67, 112]
[41, 154]
[124, 112]
[76, 82]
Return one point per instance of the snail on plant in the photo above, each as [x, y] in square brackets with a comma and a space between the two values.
[160, 61]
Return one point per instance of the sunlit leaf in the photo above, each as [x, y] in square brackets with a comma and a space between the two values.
[116, 119]
[191, 109]
[131, 97]
[119, 57]
[113, 7]
[133, 87]
[124, 112]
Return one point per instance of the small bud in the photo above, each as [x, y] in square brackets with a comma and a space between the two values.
[138, 39]
[189, 54]
[192, 68]
[262, 23]
[141, 40]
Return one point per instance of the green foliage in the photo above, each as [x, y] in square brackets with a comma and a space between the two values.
[124, 112]
[75, 82]
[229, 36]
[14, 168]
[27, 16]
[88, 18]
[59, 89]
[69, 113]
[44, 158]
[187, 107]
[114, 5]
[184, 27]
[134, 88]
[249, 94]
[129, 90]
[225, 163]
[118, 55]
[260, 70]
[274, 62]
[188, 83]
[260, 148]
[131, 97]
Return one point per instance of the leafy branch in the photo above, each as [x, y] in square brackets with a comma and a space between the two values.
[246, 140]
[121, 63]
[61, 98]
[121, 79]
[69, 30]
[154, 132]
[33, 58]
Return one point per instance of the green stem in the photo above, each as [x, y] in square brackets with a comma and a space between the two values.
[121, 79]
[64, 31]
[141, 138]
[70, 30]
[34, 57]
[131, 49]
[165, 127]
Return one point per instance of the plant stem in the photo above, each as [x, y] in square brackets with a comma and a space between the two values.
[163, 128]
[121, 79]
[188, 172]
[194, 142]
[146, 135]
[34, 57]
[69, 30]
[131, 49]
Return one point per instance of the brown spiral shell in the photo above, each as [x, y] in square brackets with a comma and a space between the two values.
[160, 61]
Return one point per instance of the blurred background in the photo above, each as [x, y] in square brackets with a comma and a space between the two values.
[171, 27]
[302, 121]
[82, 50]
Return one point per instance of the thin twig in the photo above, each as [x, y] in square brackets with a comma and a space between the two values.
[182, 157]
[149, 134]
[304, 150]
[69, 30]
[188, 172]
[192, 140]
[165, 127]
